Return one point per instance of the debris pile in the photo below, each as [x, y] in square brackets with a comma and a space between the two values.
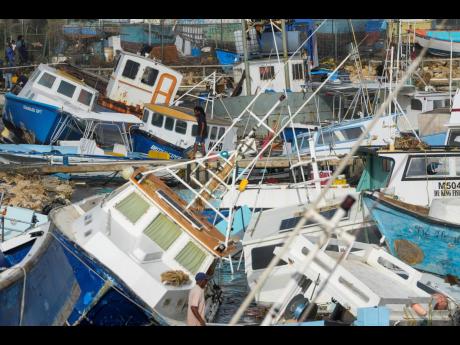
[33, 192]
[368, 72]
[437, 73]
[408, 142]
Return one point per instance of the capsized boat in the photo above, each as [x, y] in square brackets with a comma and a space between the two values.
[135, 253]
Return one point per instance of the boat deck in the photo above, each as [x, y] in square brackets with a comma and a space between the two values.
[209, 236]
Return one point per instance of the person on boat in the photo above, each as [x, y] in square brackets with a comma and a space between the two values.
[196, 301]
[202, 132]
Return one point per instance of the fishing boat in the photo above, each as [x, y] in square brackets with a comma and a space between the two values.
[173, 129]
[37, 284]
[54, 105]
[439, 42]
[269, 230]
[338, 139]
[135, 253]
[367, 287]
[413, 204]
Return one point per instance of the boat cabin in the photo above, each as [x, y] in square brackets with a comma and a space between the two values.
[137, 80]
[55, 87]
[178, 126]
[270, 71]
[143, 233]
[413, 176]
[338, 139]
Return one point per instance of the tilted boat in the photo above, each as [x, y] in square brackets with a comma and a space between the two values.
[127, 249]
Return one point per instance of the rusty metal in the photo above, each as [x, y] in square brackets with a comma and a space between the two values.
[408, 252]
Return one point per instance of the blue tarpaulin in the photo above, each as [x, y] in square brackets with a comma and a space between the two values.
[226, 57]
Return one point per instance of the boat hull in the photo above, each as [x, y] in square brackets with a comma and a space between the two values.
[437, 46]
[43, 288]
[144, 142]
[101, 302]
[422, 242]
[35, 122]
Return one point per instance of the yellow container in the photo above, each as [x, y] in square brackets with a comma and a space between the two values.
[158, 155]
[14, 79]
[340, 181]
[243, 184]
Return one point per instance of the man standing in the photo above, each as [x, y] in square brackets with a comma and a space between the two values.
[8, 73]
[202, 132]
[196, 301]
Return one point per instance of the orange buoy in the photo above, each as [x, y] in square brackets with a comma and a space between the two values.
[418, 309]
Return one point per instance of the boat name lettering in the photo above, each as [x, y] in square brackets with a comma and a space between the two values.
[218, 147]
[447, 189]
[38, 111]
[441, 235]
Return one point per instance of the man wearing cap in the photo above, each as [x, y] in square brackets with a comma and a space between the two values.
[196, 302]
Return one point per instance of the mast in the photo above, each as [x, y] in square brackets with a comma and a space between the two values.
[246, 63]
[285, 54]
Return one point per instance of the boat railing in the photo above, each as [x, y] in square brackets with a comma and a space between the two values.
[13, 221]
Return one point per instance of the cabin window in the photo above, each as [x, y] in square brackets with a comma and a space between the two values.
[267, 72]
[191, 257]
[145, 118]
[181, 127]
[213, 134]
[325, 138]
[85, 97]
[149, 76]
[416, 104]
[157, 120]
[352, 133]
[422, 167]
[131, 69]
[132, 207]
[194, 130]
[297, 71]
[439, 103]
[47, 80]
[221, 132]
[454, 138]
[262, 256]
[163, 231]
[66, 89]
[169, 123]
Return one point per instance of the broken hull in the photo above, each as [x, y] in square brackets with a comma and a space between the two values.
[420, 241]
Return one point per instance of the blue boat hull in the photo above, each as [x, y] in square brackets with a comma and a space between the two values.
[422, 242]
[36, 122]
[145, 142]
[103, 300]
[43, 291]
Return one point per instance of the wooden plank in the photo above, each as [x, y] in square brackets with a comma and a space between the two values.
[278, 162]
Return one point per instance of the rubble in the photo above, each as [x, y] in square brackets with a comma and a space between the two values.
[33, 192]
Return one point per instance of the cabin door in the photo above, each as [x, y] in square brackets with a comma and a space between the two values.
[164, 89]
